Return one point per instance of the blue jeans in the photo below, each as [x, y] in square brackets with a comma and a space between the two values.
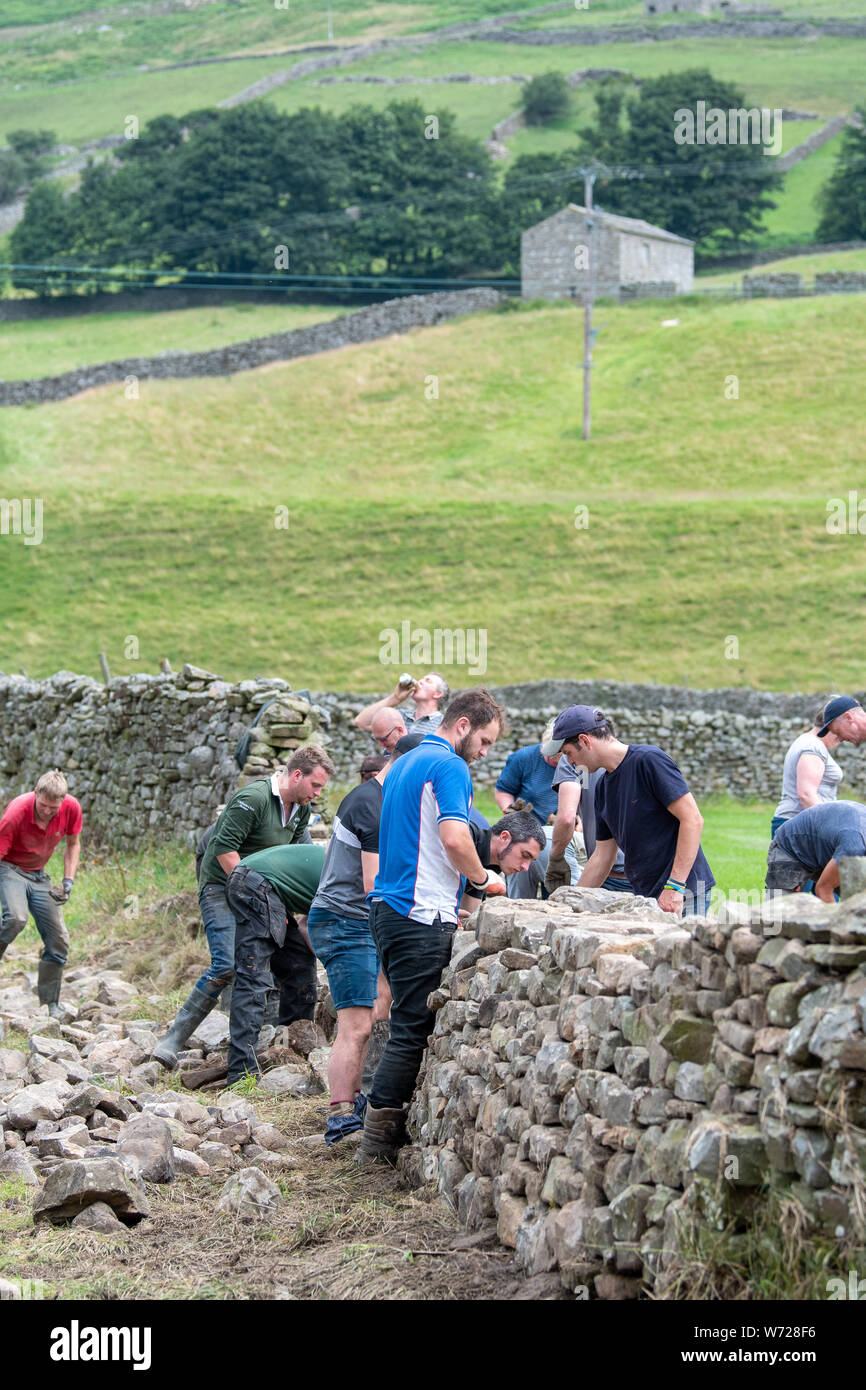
[346, 948]
[413, 956]
[617, 885]
[219, 926]
[23, 892]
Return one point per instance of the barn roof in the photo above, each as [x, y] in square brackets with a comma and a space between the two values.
[632, 226]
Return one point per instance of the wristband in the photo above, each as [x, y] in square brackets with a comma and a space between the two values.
[675, 887]
[482, 885]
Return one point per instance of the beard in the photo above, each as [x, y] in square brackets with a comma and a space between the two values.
[461, 748]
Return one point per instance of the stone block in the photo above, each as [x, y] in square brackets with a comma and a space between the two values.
[687, 1039]
[74, 1185]
[615, 1101]
[812, 1152]
[512, 1210]
[689, 1084]
[727, 1149]
[628, 1212]
[249, 1194]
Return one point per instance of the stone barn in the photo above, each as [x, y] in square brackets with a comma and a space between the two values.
[632, 258]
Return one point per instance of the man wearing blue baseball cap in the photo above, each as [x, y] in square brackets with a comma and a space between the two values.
[846, 718]
[643, 806]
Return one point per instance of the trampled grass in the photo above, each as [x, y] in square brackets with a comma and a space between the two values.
[706, 515]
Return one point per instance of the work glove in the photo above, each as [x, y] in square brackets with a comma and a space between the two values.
[558, 873]
[60, 892]
[519, 805]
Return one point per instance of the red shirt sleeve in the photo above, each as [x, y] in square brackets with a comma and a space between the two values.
[73, 816]
[7, 832]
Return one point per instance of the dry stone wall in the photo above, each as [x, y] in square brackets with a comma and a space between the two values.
[147, 756]
[614, 1088]
[361, 326]
[154, 755]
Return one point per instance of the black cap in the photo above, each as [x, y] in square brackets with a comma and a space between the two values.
[577, 719]
[406, 744]
[839, 704]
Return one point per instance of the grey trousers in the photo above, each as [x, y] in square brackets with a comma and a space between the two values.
[23, 892]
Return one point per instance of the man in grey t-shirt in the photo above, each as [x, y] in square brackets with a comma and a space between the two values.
[810, 845]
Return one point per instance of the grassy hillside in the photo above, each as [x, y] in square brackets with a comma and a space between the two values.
[807, 266]
[706, 515]
[43, 347]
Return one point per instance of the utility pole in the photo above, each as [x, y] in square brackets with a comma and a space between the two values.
[330, 24]
[588, 181]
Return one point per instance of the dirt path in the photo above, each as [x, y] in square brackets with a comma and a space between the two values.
[342, 1233]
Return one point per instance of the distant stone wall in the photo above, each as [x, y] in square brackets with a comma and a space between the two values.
[730, 740]
[153, 756]
[362, 326]
[614, 1089]
[775, 286]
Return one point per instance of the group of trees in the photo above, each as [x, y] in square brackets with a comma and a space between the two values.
[393, 192]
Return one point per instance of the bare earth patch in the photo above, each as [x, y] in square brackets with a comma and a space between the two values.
[342, 1233]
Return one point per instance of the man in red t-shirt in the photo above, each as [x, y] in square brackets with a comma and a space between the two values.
[31, 828]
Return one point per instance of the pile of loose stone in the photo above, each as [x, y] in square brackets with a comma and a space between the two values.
[614, 1088]
[86, 1117]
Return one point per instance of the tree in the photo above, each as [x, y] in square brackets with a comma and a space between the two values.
[842, 200]
[30, 147]
[396, 192]
[545, 98]
[13, 176]
[535, 186]
[43, 235]
[697, 190]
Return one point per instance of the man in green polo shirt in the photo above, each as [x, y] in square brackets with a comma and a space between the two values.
[269, 894]
[273, 811]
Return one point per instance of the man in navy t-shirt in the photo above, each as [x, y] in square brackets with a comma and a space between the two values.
[810, 845]
[644, 807]
[426, 855]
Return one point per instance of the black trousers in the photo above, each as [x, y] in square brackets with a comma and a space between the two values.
[269, 949]
[413, 956]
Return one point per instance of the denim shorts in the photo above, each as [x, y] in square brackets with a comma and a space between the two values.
[345, 947]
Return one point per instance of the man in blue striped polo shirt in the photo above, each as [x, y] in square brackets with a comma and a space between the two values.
[426, 855]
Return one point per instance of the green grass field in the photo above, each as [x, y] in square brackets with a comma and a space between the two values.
[42, 347]
[823, 75]
[706, 515]
[807, 266]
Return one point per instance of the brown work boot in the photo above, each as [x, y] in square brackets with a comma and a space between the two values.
[384, 1133]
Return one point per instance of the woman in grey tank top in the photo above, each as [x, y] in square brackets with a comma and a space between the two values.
[810, 774]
